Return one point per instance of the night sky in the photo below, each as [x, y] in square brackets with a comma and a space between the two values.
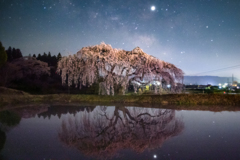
[195, 35]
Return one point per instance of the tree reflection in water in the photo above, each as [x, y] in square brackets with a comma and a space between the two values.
[8, 120]
[102, 132]
[2, 140]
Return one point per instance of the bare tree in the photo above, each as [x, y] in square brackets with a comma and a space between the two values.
[102, 132]
[108, 67]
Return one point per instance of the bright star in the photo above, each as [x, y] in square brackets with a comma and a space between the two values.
[154, 156]
[153, 8]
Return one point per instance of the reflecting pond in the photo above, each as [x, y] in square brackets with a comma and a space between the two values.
[117, 132]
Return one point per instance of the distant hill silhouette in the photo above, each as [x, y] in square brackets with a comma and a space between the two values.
[203, 80]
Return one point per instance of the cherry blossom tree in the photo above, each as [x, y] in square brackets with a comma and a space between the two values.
[30, 66]
[104, 132]
[21, 68]
[110, 67]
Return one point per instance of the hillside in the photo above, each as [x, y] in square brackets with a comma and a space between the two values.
[9, 91]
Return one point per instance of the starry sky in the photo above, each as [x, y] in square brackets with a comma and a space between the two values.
[202, 37]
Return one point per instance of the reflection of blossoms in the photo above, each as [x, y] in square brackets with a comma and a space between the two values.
[102, 133]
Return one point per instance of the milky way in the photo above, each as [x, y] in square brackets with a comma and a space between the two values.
[195, 35]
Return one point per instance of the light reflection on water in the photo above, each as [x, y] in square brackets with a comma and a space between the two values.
[117, 132]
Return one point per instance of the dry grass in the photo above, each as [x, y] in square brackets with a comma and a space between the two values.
[196, 99]
[10, 97]
[8, 91]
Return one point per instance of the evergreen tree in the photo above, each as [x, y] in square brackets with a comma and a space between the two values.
[39, 57]
[13, 53]
[44, 54]
[54, 60]
[49, 55]
[49, 59]
[44, 57]
[3, 55]
[34, 55]
[18, 54]
[9, 54]
[59, 56]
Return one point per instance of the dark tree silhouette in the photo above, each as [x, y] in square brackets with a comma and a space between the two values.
[51, 60]
[49, 55]
[39, 56]
[13, 54]
[16, 53]
[3, 55]
[48, 58]
[54, 61]
[59, 56]
[2, 140]
[102, 133]
[8, 120]
[9, 54]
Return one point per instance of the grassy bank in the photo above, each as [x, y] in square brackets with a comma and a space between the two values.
[179, 99]
[13, 97]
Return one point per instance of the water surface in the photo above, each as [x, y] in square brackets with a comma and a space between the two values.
[117, 132]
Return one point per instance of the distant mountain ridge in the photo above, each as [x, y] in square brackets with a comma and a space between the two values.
[204, 80]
